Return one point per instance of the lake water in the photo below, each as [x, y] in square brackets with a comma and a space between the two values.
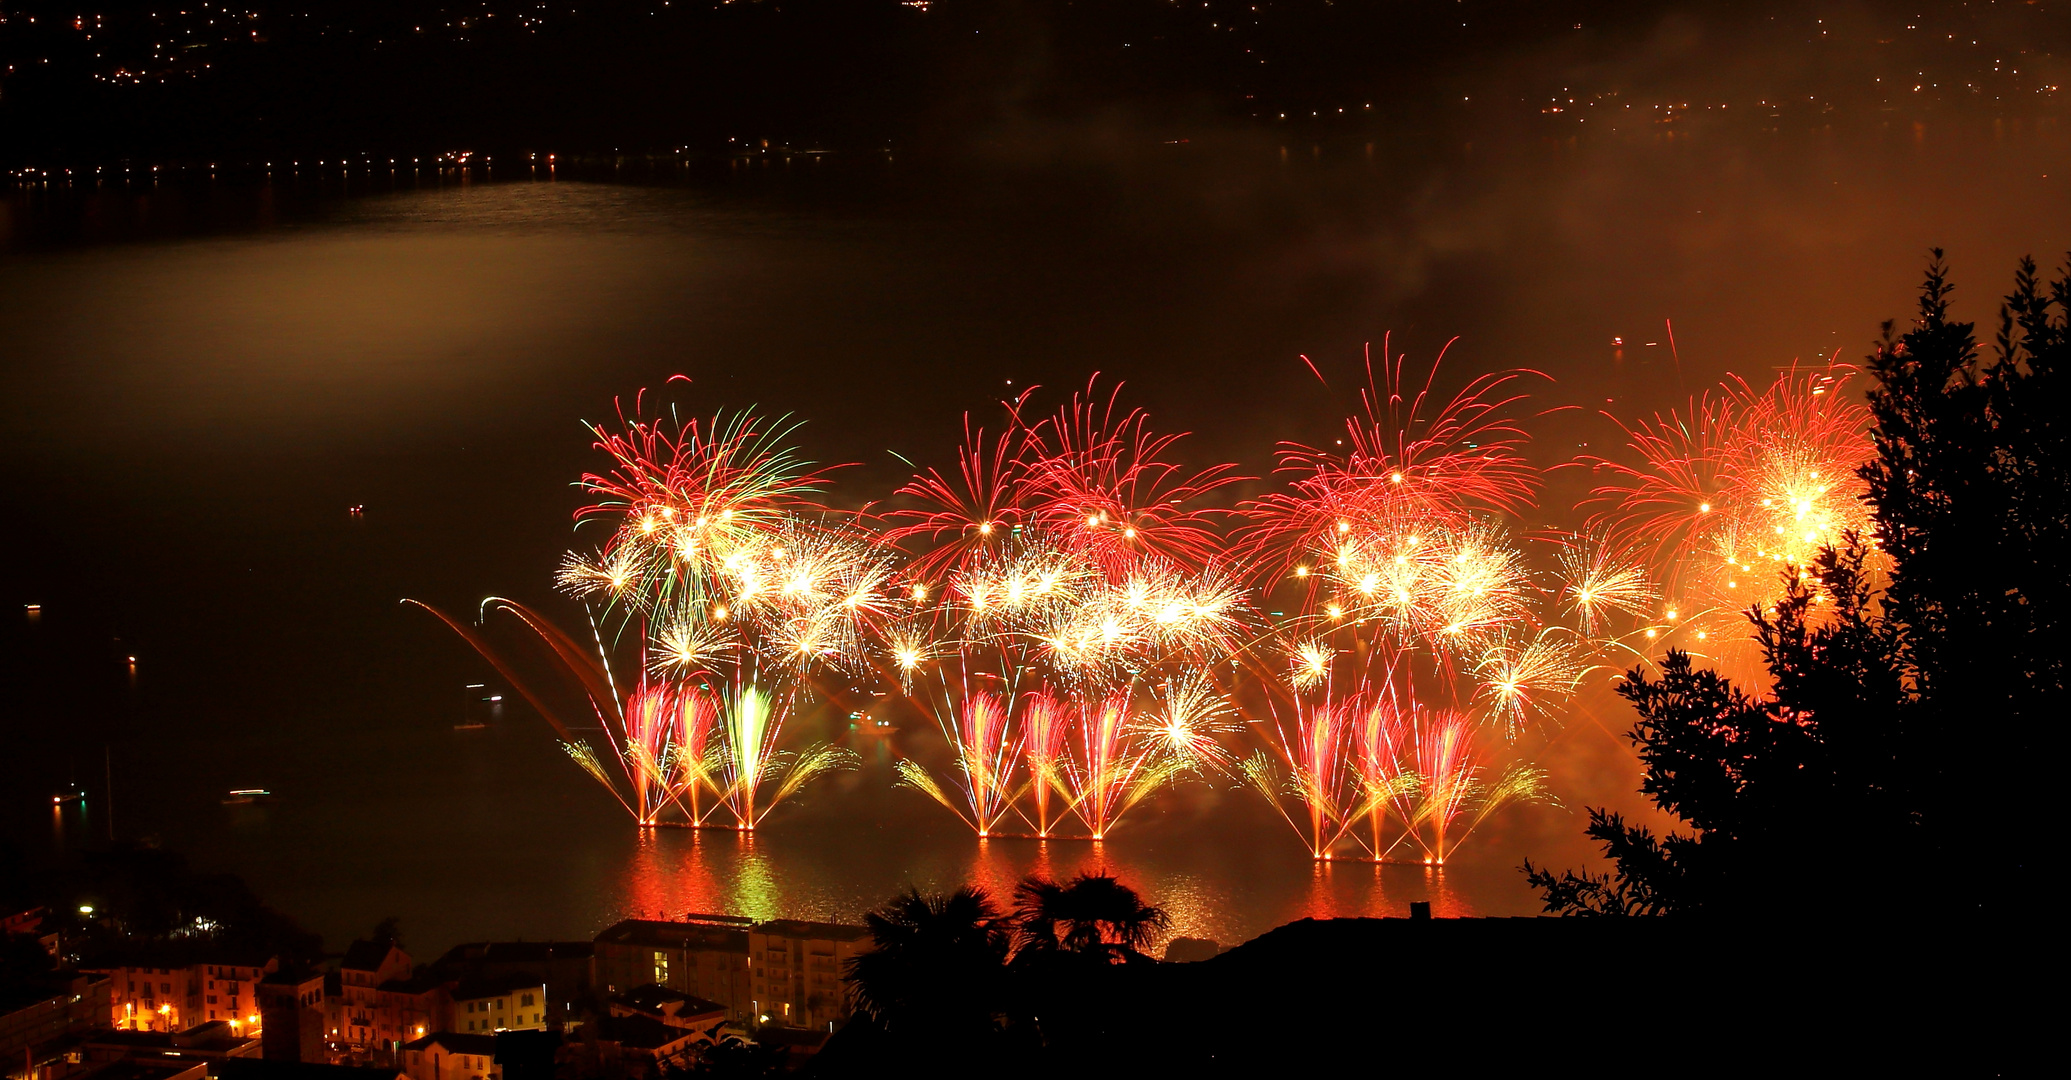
[199, 378]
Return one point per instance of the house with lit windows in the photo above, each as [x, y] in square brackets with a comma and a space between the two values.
[171, 992]
[795, 970]
[450, 1055]
[566, 966]
[705, 956]
[500, 1003]
[415, 1007]
[358, 1017]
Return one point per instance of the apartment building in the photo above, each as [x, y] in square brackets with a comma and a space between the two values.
[500, 1003]
[795, 971]
[705, 956]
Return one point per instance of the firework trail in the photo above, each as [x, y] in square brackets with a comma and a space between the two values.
[658, 738]
[754, 774]
[985, 764]
[1381, 729]
[1111, 772]
[668, 739]
[1045, 728]
[1454, 799]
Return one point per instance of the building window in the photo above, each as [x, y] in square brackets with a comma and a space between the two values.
[661, 967]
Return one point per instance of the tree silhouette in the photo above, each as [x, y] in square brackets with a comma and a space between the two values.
[1904, 722]
[937, 965]
[1972, 485]
[1090, 915]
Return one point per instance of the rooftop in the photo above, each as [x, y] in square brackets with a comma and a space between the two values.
[660, 999]
[180, 955]
[637, 1032]
[527, 1048]
[490, 986]
[421, 983]
[216, 1036]
[50, 991]
[366, 955]
[456, 1043]
[262, 1069]
[146, 1070]
[648, 933]
[516, 952]
[812, 931]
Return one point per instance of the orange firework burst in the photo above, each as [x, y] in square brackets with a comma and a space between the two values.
[1747, 485]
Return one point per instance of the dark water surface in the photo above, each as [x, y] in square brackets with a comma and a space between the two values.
[198, 381]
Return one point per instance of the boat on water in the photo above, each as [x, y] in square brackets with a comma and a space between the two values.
[70, 793]
[250, 797]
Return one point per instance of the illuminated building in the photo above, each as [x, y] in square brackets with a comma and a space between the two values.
[291, 1010]
[159, 993]
[367, 965]
[211, 1041]
[412, 1008]
[500, 1003]
[705, 956]
[635, 1046]
[671, 1007]
[38, 1024]
[451, 1056]
[795, 970]
[567, 967]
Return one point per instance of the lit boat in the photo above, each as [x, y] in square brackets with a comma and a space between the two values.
[249, 796]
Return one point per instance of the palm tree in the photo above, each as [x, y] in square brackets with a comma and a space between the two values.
[938, 963]
[1090, 915]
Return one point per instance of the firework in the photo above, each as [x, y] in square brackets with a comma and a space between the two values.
[985, 763]
[1109, 613]
[723, 570]
[1101, 481]
[1381, 729]
[1396, 554]
[1520, 680]
[1746, 486]
[1454, 798]
[1314, 754]
[668, 735]
[1045, 727]
[754, 775]
[1112, 771]
[1188, 725]
[1601, 580]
